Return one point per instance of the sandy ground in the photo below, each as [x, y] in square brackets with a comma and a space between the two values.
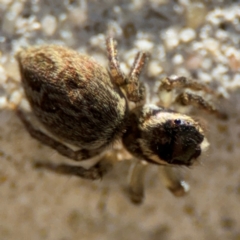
[197, 39]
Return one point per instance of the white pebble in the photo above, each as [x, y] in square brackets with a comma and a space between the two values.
[78, 16]
[177, 59]
[222, 91]
[114, 29]
[154, 68]
[62, 17]
[211, 45]
[197, 46]
[98, 41]
[49, 24]
[16, 8]
[231, 51]
[65, 34]
[182, 71]
[219, 70]
[205, 31]
[206, 63]
[222, 35]
[215, 16]
[205, 77]
[3, 102]
[129, 56]
[187, 35]
[144, 45]
[222, 69]
[229, 15]
[236, 78]
[117, 10]
[124, 68]
[235, 83]
[24, 104]
[171, 38]
[15, 97]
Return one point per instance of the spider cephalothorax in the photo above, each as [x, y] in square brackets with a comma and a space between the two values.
[163, 137]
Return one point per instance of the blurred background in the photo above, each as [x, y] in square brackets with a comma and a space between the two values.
[196, 39]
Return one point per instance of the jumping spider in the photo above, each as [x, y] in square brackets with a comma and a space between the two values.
[83, 104]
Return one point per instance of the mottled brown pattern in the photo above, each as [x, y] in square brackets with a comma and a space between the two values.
[72, 101]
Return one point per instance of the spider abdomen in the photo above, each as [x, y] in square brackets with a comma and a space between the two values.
[73, 96]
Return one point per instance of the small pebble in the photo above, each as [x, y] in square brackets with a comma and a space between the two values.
[171, 38]
[178, 59]
[144, 45]
[154, 68]
[187, 35]
[49, 24]
[196, 14]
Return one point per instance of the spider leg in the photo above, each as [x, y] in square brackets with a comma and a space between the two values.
[134, 90]
[136, 182]
[174, 181]
[93, 173]
[114, 67]
[198, 101]
[170, 83]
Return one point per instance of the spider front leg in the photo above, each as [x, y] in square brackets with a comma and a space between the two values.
[134, 90]
[186, 98]
[171, 177]
[198, 101]
[170, 83]
[136, 182]
[174, 181]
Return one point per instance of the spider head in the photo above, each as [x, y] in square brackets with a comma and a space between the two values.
[165, 137]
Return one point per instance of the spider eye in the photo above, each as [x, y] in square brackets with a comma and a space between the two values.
[177, 121]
